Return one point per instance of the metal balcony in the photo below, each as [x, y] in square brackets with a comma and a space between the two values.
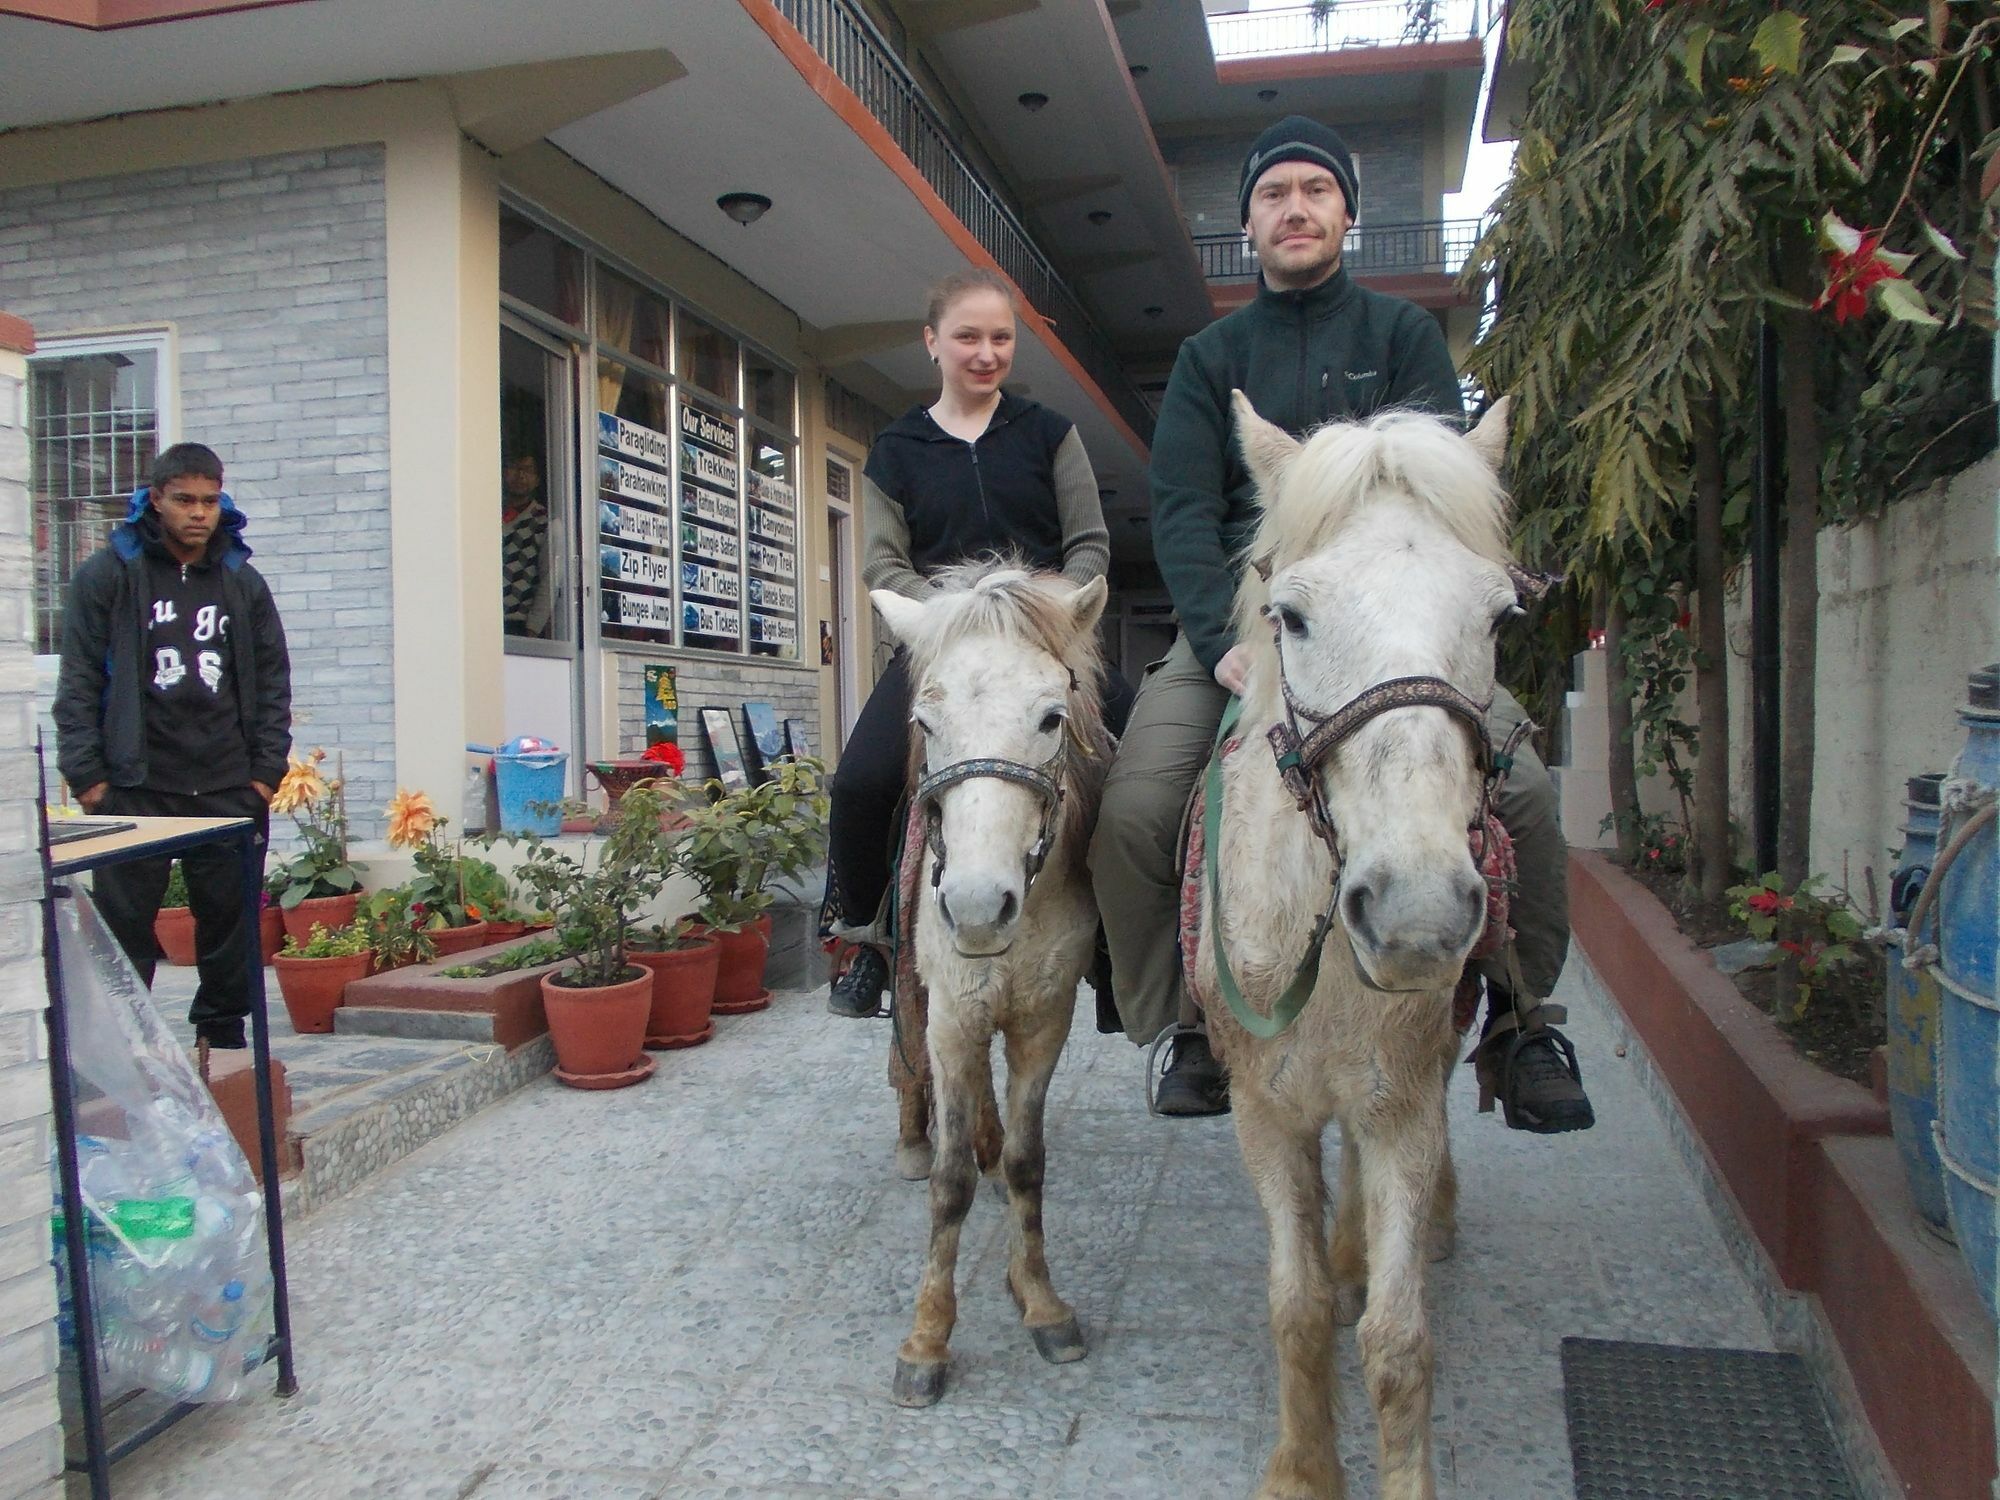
[1343, 24]
[863, 59]
[1438, 246]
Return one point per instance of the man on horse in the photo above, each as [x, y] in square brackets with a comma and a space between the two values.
[1310, 347]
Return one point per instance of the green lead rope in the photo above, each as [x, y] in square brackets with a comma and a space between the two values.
[1306, 977]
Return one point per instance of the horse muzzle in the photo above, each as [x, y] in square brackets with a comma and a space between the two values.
[1412, 930]
[981, 911]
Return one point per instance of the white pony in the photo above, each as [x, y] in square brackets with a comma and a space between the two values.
[1011, 751]
[1384, 546]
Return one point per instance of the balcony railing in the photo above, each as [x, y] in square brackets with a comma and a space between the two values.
[1439, 246]
[1342, 24]
[863, 60]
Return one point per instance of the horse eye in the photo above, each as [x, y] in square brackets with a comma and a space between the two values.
[922, 723]
[1511, 612]
[1052, 721]
[1291, 619]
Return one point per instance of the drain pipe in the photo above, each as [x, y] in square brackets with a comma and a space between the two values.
[1765, 657]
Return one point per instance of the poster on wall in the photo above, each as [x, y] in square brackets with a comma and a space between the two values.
[772, 554]
[663, 705]
[710, 551]
[635, 531]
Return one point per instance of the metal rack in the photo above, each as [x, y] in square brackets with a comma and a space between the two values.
[150, 838]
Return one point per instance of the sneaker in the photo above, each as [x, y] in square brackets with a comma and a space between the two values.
[223, 1036]
[857, 993]
[1533, 1072]
[1193, 1082]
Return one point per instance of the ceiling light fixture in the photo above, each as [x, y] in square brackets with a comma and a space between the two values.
[744, 208]
[1099, 216]
[1154, 311]
[1032, 101]
[1138, 70]
[1267, 95]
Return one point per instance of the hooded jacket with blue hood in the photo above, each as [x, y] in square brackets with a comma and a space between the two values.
[113, 711]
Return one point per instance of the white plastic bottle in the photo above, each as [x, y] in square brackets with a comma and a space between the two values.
[217, 1319]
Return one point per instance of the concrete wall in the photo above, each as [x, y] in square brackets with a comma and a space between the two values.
[1390, 154]
[30, 1437]
[1909, 604]
[270, 271]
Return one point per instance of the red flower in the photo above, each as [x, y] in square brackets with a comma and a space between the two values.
[1850, 275]
[667, 754]
[1769, 903]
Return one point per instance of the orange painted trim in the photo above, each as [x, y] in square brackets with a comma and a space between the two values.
[854, 114]
[16, 335]
[115, 15]
[1355, 62]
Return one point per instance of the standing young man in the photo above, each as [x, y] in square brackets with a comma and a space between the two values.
[175, 700]
[1309, 348]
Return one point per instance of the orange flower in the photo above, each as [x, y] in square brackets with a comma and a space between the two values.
[302, 784]
[411, 819]
[474, 913]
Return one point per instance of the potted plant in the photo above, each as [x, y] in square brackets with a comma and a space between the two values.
[313, 975]
[451, 893]
[318, 885]
[735, 848]
[394, 923]
[173, 928]
[684, 965]
[599, 1006]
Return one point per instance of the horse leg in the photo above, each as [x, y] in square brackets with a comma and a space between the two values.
[1349, 1251]
[913, 1131]
[989, 1139]
[1399, 1171]
[1443, 1241]
[1282, 1154]
[922, 1362]
[1031, 1062]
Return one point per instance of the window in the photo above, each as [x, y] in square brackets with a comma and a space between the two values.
[95, 421]
[540, 269]
[708, 358]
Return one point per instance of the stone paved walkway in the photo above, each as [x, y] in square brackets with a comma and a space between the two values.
[695, 1289]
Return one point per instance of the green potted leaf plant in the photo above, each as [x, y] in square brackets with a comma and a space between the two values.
[735, 848]
[315, 974]
[173, 928]
[452, 893]
[598, 1007]
[317, 885]
[395, 928]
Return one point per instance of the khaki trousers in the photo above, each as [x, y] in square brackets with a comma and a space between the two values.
[1134, 868]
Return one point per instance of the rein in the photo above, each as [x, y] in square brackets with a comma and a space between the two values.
[1298, 761]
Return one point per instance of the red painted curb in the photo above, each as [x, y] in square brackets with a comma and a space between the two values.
[1802, 1156]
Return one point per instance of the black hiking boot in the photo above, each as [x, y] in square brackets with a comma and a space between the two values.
[1194, 1082]
[1531, 1068]
[857, 993]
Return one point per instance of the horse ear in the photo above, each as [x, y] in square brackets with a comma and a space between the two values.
[899, 614]
[1267, 448]
[1087, 603]
[1489, 438]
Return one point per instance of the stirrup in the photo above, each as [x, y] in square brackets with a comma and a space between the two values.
[1155, 1070]
[1493, 1058]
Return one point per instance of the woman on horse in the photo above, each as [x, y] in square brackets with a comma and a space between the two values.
[976, 473]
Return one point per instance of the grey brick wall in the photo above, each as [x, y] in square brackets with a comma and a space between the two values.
[712, 683]
[30, 1439]
[272, 271]
[1390, 154]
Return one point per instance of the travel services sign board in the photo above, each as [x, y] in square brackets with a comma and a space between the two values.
[635, 529]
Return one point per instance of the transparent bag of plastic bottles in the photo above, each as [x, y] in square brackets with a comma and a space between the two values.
[178, 1265]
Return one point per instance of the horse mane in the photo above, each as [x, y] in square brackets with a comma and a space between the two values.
[1002, 597]
[1343, 468]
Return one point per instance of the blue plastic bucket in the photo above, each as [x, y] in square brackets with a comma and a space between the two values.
[531, 789]
[1969, 1015]
[1911, 1011]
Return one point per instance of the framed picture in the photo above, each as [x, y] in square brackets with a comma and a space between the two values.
[764, 739]
[718, 727]
[798, 739]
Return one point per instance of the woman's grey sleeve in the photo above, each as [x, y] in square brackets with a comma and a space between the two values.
[1086, 544]
[887, 545]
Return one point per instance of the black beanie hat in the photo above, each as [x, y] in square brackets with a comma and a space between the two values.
[1296, 138]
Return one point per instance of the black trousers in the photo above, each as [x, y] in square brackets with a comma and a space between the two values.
[868, 788]
[129, 896]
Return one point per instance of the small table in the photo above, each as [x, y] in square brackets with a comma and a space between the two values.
[152, 838]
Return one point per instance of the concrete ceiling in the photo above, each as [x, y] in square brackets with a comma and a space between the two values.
[847, 244]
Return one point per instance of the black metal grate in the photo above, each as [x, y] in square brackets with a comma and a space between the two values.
[1665, 1422]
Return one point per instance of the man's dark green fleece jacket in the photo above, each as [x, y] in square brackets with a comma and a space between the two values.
[1335, 351]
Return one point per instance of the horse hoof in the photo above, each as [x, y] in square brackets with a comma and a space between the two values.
[913, 1162]
[1060, 1343]
[918, 1384]
[1348, 1302]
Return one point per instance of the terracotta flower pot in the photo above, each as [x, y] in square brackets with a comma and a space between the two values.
[450, 940]
[313, 987]
[173, 930]
[330, 912]
[739, 979]
[599, 1033]
[683, 993]
[271, 931]
[504, 932]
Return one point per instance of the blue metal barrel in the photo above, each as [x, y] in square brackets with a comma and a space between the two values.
[1969, 1015]
[1912, 1013]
